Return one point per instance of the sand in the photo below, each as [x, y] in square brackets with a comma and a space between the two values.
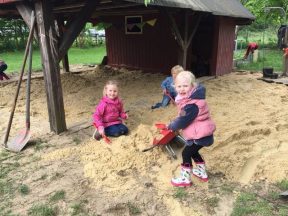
[250, 139]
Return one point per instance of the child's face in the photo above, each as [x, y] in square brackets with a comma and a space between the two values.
[174, 74]
[183, 86]
[111, 91]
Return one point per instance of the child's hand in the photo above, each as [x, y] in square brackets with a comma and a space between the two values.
[101, 130]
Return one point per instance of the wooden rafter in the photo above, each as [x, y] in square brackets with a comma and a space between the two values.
[185, 41]
[76, 27]
[25, 11]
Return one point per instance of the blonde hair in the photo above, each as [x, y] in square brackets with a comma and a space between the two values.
[109, 82]
[176, 69]
[189, 76]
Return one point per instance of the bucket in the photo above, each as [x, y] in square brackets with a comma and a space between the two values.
[267, 71]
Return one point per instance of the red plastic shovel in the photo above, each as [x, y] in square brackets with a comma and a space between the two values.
[168, 135]
[106, 139]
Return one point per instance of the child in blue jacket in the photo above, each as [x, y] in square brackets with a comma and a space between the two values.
[167, 86]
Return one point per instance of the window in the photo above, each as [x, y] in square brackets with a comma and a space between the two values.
[133, 24]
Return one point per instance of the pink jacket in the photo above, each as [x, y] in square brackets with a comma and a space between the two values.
[202, 125]
[109, 112]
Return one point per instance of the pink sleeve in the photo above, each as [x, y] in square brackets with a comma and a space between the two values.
[98, 114]
[123, 115]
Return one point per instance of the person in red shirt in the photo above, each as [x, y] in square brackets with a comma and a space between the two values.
[250, 49]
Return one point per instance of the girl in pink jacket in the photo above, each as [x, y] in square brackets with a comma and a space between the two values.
[109, 113]
[196, 127]
[3, 67]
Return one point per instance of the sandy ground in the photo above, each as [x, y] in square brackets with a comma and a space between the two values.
[250, 144]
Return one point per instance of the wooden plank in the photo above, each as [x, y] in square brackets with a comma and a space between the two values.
[49, 54]
[65, 60]
[25, 11]
[65, 63]
[185, 41]
[76, 26]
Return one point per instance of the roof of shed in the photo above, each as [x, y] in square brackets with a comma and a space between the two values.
[231, 8]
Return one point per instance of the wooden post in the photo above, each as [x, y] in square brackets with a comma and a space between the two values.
[65, 63]
[184, 43]
[285, 57]
[50, 62]
[65, 60]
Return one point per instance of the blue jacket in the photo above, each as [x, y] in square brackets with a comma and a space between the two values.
[168, 84]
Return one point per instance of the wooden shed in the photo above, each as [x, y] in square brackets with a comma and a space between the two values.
[197, 34]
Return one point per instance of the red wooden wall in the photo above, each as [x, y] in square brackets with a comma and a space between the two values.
[155, 50]
[223, 46]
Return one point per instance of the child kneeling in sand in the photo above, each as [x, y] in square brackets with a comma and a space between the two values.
[197, 127]
[3, 67]
[167, 86]
[109, 113]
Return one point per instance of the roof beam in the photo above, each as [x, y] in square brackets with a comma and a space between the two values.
[25, 11]
[76, 27]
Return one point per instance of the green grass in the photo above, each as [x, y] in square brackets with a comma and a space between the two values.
[212, 202]
[5, 169]
[283, 185]
[79, 208]
[180, 193]
[42, 210]
[6, 188]
[58, 195]
[77, 140]
[24, 189]
[267, 58]
[133, 209]
[92, 55]
[249, 204]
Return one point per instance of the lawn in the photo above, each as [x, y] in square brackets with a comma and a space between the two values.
[267, 58]
[92, 55]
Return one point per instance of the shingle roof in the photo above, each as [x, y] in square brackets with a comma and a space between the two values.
[231, 8]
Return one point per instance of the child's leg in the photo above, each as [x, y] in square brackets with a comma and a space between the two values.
[116, 130]
[186, 167]
[200, 169]
[165, 100]
[123, 129]
[5, 76]
[190, 152]
[2, 74]
[157, 105]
